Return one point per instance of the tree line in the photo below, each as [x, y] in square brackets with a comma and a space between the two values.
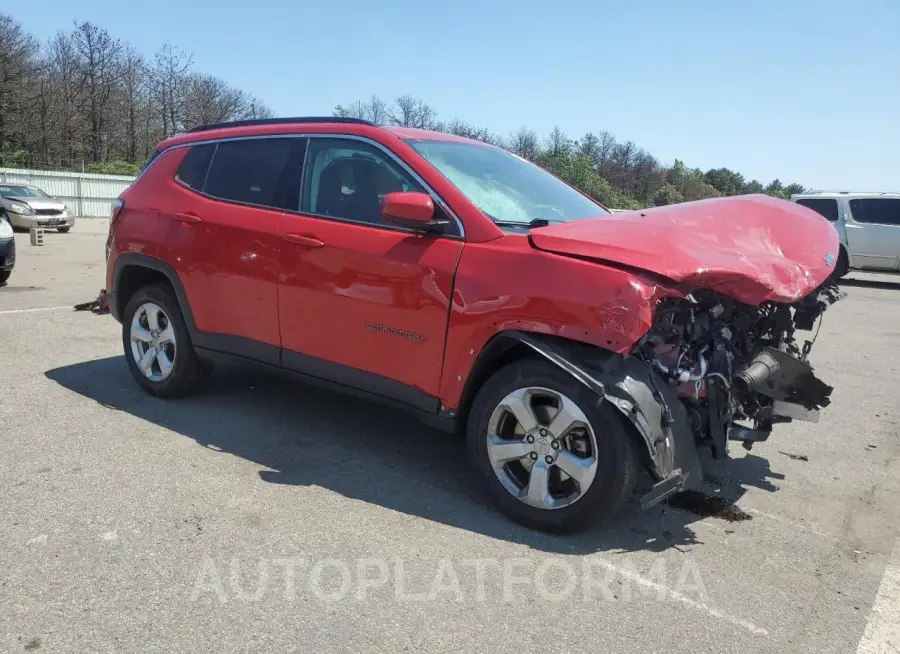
[87, 100]
[620, 174]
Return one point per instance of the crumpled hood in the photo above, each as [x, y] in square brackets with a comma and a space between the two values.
[753, 248]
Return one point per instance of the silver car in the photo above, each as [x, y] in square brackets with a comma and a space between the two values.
[868, 225]
[28, 206]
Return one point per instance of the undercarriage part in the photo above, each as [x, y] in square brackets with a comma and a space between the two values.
[663, 490]
[744, 434]
[781, 376]
[794, 411]
[100, 306]
[730, 362]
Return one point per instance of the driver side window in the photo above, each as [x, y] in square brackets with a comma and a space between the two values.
[347, 180]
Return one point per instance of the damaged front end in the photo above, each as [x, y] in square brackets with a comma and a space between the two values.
[738, 369]
[709, 370]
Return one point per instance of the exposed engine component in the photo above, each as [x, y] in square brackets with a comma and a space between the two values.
[732, 362]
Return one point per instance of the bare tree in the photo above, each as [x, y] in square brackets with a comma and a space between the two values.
[374, 110]
[256, 109]
[18, 53]
[412, 112]
[100, 58]
[133, 89]
[66, 83]
[525, 143]
[209, 99]
[558, 143]
[462, 128]
[170, 77]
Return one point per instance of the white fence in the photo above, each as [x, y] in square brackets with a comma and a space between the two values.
[85, 194]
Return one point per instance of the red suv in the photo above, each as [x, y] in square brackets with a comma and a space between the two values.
[575, 347]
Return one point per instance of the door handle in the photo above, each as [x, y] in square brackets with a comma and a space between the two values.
[187, 218]
[300, 239]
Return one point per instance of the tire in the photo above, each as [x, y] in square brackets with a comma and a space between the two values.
[615, 451]
[63, 230]
[4, 276]
[186, 371]
[842, 267]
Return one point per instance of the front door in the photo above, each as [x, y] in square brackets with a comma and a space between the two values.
[873, 233]
[363, 302]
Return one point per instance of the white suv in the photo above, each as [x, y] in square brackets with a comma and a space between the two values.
[868, 224]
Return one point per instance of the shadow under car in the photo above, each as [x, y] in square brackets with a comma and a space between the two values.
[303, 435]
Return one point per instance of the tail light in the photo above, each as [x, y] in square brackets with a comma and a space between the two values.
[118, 205]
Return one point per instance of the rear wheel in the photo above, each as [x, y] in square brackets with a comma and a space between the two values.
[4, 276]
[157, 344]
[549, 455]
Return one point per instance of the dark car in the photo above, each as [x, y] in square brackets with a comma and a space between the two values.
[7, 250]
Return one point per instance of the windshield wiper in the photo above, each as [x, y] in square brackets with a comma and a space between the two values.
[536, 222]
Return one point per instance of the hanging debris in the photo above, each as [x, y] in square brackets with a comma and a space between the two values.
[100, 306]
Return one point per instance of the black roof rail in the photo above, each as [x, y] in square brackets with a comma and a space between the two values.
[282, 121]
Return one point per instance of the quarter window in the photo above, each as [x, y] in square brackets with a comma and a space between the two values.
[248, 171]
[192, 169]
[882, 211]
[824, 206]
[348, 179]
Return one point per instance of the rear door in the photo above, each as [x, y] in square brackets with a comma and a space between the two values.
[873, 233]
[361, 301]
[225, 228]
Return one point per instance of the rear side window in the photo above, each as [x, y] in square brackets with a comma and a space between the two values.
[248, 171]
[824, 206]
[192, 169]
[882, 211]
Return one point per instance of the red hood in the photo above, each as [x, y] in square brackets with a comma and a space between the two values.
[751, 247]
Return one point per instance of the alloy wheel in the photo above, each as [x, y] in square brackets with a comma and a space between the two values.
[542, 448]
[153, 342]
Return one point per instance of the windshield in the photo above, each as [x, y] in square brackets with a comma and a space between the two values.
[21, 192]
[507, 188]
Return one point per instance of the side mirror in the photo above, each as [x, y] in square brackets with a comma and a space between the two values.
[412, 210]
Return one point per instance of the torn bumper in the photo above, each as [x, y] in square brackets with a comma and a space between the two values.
[645, 400]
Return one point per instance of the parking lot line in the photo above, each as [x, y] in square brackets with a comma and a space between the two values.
[680, 597]
[882, 632]
[10, 311]
[793, 523]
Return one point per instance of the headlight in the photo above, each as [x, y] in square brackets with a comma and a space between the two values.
[6, 230]
[20, 208]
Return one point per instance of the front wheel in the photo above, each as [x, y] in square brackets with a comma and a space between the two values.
[63, 230]
[842, 267]
[4, 276]
[550, 456]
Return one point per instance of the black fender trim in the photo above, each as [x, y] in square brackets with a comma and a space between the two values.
[643, 398]
[129, 259]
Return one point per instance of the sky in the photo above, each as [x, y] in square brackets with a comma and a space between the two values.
[807, 91]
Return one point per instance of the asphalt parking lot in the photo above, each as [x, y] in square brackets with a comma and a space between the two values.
[262, 515]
